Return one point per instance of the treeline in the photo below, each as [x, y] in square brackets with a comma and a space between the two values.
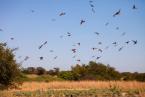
[90, 71]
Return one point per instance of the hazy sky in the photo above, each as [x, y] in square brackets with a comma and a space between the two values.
[32, 22]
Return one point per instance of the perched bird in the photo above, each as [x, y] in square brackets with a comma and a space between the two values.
[62, 13]
[74, 50]
[117, 13]
[134, 7]
[82, 21]
[134, 42]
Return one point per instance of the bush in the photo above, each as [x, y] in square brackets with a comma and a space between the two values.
[67, 75]
[9, 69]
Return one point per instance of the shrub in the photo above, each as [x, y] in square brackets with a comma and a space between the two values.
[9, 69]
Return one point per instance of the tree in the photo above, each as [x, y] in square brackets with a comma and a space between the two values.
[40, 70]
[29, 70]
[9, 69]
[67, 75]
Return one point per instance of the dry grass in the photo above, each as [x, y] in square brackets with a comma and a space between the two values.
[32, 86]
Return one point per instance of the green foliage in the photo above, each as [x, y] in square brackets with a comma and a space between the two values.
[40, 70]
[67, 75]
[95, 71]
[39, 78]
[9, 69]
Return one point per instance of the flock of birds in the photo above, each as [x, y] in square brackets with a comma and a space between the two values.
[74, 49]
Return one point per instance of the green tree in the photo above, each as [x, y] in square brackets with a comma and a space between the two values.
[9, 69]
[40, 70]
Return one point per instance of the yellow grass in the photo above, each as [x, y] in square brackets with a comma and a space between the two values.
[32, 86]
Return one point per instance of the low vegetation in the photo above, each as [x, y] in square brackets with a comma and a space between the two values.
[90, 71]
[9, 69]
[86, 80]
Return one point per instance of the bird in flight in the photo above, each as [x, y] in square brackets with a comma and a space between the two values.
[91, 1]
[79, 43]
[134, 42]
[32, 11]
[120, 48]
[82, 21]
[78, 60]
[12, 38]
[55, 57]
[97, 33]
[114, 43]
[107, 24]
[117, 28]
[68, 34]
[74, 56]
[100, 50]
[62, 13]
[14, 49]
[98, 57]
[94, 48]
[99, 43]
[91, 5]
[93, 10]
[1, 29]
[42, 45]
[117, 13]
[127, 42]
[51, 51]
[123, 33]
[74, 50]
[134, 7]
[41, 58]
[26, 58]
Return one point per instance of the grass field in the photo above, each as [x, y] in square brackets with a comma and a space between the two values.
[78, 89]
